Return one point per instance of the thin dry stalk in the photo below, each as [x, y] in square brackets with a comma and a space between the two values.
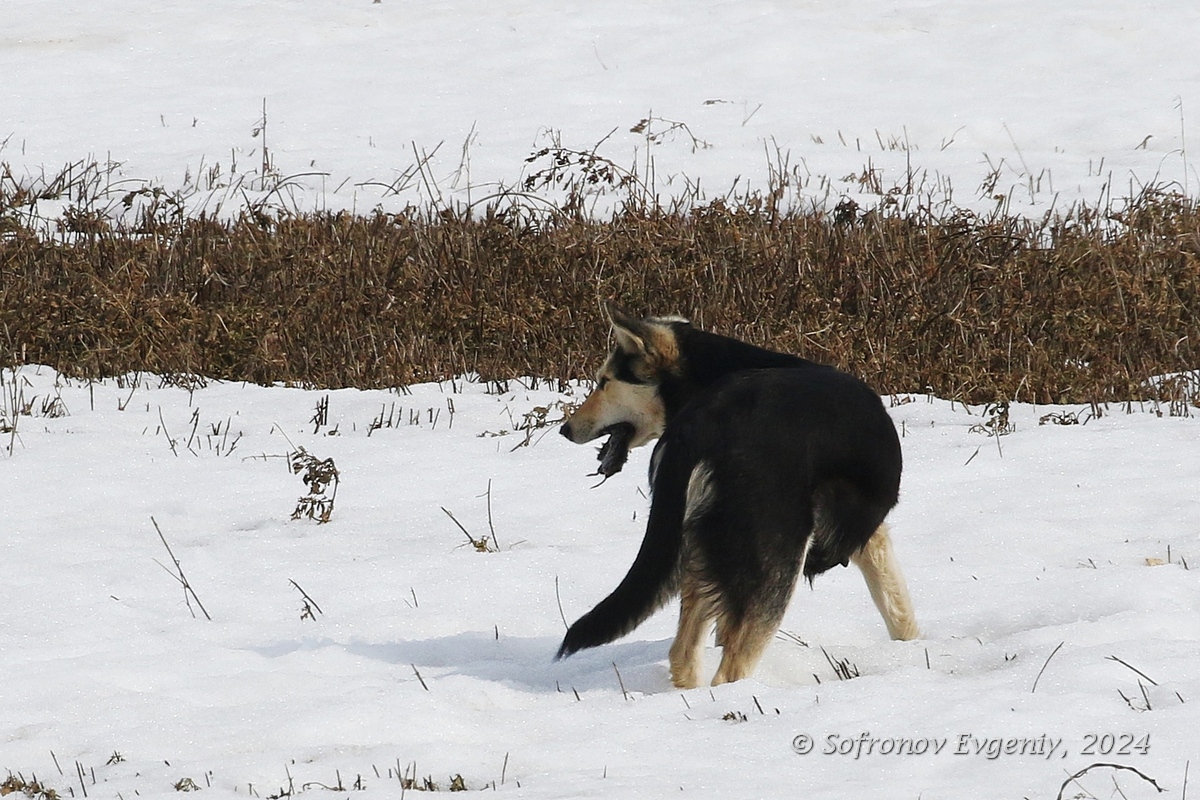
[1044, 665]
[1091, 767]
[189, 593]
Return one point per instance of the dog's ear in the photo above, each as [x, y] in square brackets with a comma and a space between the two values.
[651, 339]
[632, 334]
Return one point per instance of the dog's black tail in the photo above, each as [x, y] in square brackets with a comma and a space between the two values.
[651, 581]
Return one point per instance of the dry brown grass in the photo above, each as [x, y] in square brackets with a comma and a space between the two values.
[1079, 308]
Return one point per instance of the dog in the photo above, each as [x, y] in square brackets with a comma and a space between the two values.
[768, 466]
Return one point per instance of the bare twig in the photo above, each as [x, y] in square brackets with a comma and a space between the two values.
[306, 613]
[1135, 669]
[1090, 767]
[842, 667]
[170, 441]
[481, 545]
[179, 576]
[1043, 669]
[558, 597]
[624, 693]
[491, 527]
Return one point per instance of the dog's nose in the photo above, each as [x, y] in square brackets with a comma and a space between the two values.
[565, 430]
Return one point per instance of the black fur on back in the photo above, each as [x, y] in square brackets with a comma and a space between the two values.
[792, 453]
[705, 358]
[795, 450]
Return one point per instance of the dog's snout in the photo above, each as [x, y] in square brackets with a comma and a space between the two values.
[565, 430]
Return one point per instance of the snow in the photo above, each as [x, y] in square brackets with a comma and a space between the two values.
[1034, 561]
[1043, 105]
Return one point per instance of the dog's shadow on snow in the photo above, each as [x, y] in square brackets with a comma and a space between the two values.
[523, 663]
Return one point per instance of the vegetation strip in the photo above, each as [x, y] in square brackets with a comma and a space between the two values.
[1083, 306]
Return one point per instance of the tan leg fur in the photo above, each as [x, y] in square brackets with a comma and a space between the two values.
[886, 584]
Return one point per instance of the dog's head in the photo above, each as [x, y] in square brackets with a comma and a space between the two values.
[627, 386]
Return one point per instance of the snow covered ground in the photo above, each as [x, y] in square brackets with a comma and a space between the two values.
[1044, 104]
[1036, 562]
[1053, 569]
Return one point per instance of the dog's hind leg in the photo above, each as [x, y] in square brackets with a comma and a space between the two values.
[744, 637]
[697, 598]
[695, 615]
[886, 584]
[744, 644]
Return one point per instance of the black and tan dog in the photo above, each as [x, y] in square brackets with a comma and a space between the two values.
[768, 466]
